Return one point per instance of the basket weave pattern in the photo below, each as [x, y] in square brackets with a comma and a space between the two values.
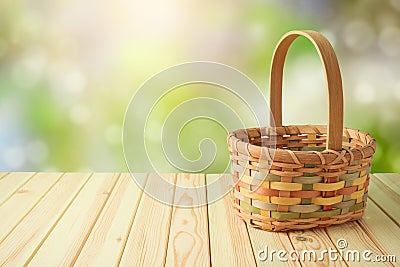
[304, 187]
[300, 177]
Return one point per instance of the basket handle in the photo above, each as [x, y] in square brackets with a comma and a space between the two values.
[333, 80]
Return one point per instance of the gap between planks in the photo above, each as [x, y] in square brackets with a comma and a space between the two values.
[381, 239]
[12, 182]
[382, 191]
[104, 242]
[25, 199]
[188, 242]
[78, 221]
[229, 239]
[148, 236]
[23, 241]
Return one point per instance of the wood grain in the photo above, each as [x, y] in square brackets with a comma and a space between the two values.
[102, 220]
[392, 180]
[3, 174]
[10, 183]
[148, 237]
[26, 198]
[356, 239]
[188, 237]
[108, 237]
[275, 240]
[385, 197]
[383, 231]
[333, 81]
[75, 225]
[229, 240]
[16, 249]
[316, 240]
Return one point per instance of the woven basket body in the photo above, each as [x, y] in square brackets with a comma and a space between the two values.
[305, 176]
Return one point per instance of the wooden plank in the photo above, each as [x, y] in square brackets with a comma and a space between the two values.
[26, 198]
[16, 249]
[3, 174]
[229, 240]
[314, 240]
[11, 183]
[387, 199]
[188, 239]
[148, 238]
[106, 241]
[357, 239]
[75, 225]
[392, 180]
[381, 229]
[275, 241]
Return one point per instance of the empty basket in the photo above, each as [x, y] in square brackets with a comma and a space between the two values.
[299, 177]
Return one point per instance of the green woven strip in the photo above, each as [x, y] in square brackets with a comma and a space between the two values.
[292, 208]
[307, 180]
[307, 187]
[313, 148]
[304, 208]
[297, 215]
[249, 208]
[309, 174]
[309, 165]
[305, 201]
[285, 215]
[344, 210]
[320, 214]
[346, 197]
[344, 204]
[349, 176]
[357, 206]
[354, 163]
[265, 177]
[348, 183]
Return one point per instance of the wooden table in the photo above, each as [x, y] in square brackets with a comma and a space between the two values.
[102, 219]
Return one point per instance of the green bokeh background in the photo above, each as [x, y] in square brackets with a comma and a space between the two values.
[69, 68]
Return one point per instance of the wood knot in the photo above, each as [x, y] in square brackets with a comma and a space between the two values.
[21, 191]
[301, 238]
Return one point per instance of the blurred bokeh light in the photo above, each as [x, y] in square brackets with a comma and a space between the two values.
[69, 68]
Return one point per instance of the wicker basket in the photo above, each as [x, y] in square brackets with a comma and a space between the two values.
[315, 176]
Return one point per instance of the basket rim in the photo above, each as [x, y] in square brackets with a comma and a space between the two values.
[328, 157]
